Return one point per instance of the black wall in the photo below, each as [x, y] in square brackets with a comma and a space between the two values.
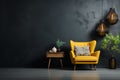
[29, 28]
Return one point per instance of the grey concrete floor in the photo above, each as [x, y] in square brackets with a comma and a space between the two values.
[58, 74]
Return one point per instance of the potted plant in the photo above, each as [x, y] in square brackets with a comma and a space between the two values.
[111, 43]
[59, 43]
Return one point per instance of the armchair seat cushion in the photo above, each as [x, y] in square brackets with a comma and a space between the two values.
[85, 58]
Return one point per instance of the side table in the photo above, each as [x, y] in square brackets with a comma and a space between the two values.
[58, 55]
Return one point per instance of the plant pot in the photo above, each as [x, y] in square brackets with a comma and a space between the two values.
[112, 63]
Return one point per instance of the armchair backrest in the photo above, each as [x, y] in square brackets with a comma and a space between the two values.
[91, 44]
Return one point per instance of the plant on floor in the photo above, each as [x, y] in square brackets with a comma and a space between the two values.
[59, 43]
[111, 43]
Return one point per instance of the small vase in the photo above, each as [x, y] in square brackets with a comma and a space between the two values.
[54, 49]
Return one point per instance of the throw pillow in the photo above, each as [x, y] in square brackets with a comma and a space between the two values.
[79, 51]
[86, 50]
[82, 51]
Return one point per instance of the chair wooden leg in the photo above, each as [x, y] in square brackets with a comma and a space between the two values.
[94, 66]
[75, 67]
[61, 63]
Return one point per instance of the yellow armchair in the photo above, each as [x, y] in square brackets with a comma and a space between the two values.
[92, 59]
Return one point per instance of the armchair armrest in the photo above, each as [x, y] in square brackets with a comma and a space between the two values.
[72, 54]
[96, 54]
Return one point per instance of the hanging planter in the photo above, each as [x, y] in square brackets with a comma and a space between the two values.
[102, 29]
[112, 16]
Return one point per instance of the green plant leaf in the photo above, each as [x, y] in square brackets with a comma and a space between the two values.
[111, 43]
[60, 43]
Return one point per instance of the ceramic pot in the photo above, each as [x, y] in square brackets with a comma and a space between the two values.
[112, 63]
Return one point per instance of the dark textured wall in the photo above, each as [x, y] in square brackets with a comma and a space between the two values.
[29, 28]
